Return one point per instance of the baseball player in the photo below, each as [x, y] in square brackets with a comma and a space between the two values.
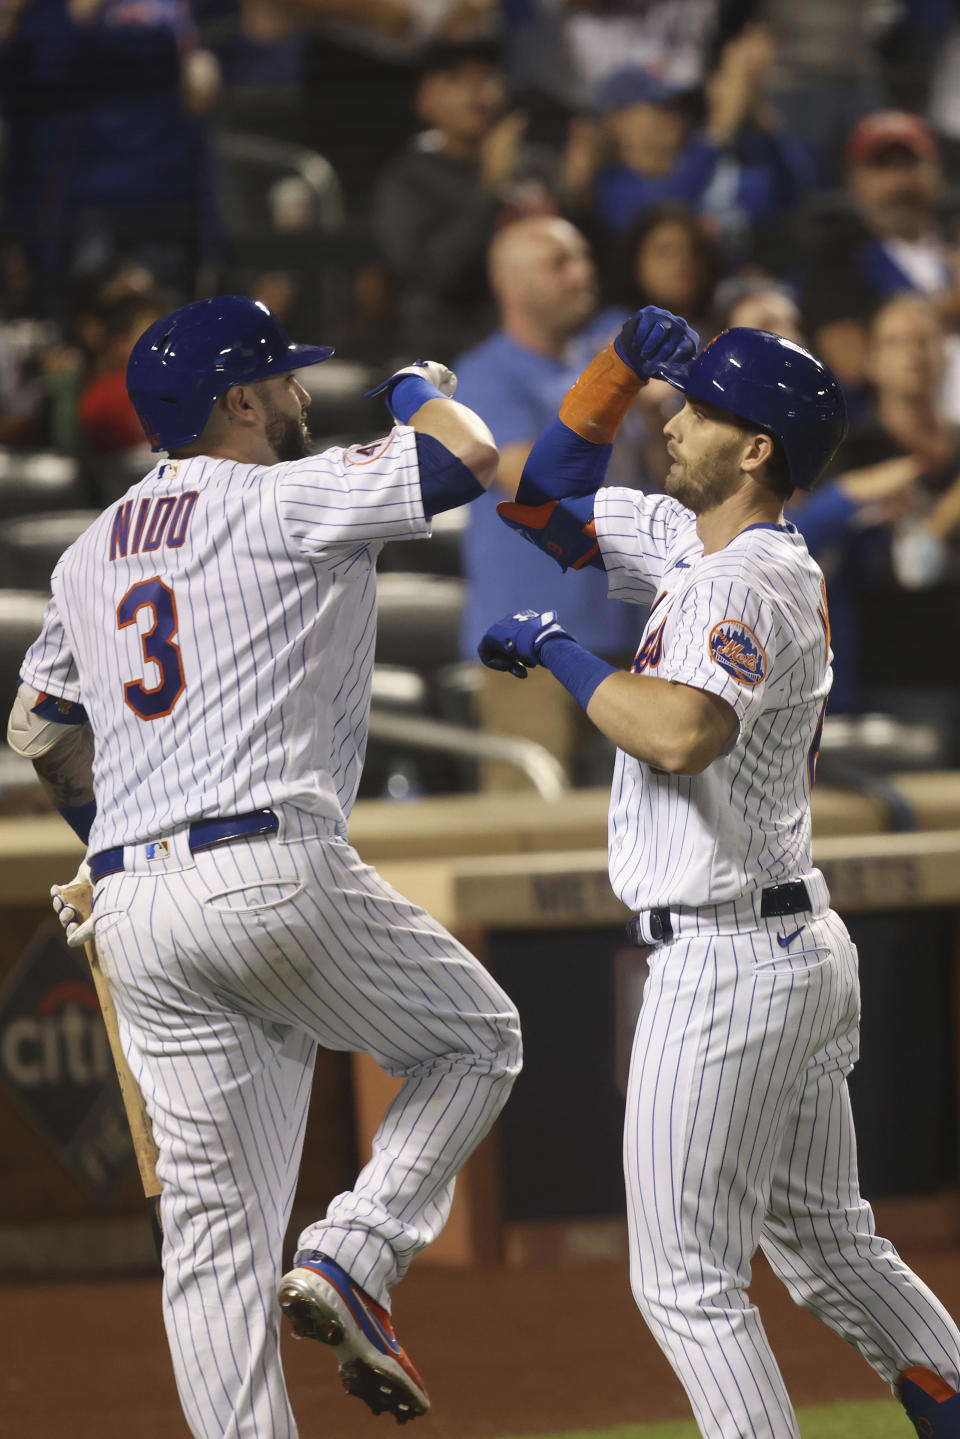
[738, 1125]
[211, 635]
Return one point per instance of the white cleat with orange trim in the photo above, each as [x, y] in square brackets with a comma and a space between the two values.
[322, 1302]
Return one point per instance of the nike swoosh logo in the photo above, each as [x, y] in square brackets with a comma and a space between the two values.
[682, 565]
[785, 940]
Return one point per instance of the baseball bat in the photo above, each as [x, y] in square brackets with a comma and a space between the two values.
[80, 896]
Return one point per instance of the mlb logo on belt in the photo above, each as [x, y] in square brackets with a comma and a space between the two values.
[158, 849]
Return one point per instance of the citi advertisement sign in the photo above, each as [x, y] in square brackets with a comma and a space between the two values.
[56, 1062]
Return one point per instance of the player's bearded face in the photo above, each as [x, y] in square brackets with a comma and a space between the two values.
[287, 435]
[704, 451]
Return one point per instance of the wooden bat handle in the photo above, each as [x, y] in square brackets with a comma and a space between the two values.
[80, 896]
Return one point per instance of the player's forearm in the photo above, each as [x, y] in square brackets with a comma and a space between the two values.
[668, 726]
[596, 403]
[60, 750]
[65, 772]
[570, 457]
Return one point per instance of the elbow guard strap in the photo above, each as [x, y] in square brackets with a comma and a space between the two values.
[563, 529]
[562, 463]
[596, 403]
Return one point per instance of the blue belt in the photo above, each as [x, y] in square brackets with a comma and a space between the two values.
[203, 834]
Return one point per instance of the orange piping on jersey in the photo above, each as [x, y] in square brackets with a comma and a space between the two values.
[823, 610]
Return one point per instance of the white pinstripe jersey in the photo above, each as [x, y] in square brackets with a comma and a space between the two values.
[218, 625]
[748, 623]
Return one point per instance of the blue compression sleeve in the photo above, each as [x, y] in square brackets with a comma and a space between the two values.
[445, 481]
[562, 463]
[577, 669]
[80, 818]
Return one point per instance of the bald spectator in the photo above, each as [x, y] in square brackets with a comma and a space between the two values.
[543, 276]
[437, 205]
[895, 239]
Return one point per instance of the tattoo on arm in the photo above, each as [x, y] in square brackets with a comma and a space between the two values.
[66, 770]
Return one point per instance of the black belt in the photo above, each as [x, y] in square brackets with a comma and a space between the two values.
[203, 834]
[789, 898]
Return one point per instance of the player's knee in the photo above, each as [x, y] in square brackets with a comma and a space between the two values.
[655, 1297]
[668, 1283]
[654, 1284]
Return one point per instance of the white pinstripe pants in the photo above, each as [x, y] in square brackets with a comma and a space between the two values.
[228, 968]
[738, 1135]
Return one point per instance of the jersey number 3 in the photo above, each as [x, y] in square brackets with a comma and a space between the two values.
[151, 702]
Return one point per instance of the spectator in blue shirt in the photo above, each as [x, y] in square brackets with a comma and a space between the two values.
[544, 280]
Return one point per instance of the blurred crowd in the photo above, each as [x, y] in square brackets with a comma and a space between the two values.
[496, 184]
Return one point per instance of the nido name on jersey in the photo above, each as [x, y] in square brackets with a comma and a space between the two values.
[162, 520]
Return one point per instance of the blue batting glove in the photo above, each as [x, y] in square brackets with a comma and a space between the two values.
[514, 643]
[654, 337]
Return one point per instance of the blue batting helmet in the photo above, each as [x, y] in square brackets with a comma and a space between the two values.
[773, 384]
[182, 364]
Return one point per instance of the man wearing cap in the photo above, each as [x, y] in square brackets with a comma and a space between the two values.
[894, 240]
[212, 636]
[738, 1129]
[738, 169]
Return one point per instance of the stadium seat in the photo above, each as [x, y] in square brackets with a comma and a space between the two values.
[21, 615]
[400, 690]
[283, 214]
[31, 546]
[418, 620]
[254, 171]
[35, 481]
[439, 555]
[112, 476]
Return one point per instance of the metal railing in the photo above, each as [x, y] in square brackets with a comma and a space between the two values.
[542, 768]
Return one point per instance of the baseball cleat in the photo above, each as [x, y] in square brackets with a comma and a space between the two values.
[322, 1302]
[931, 1403]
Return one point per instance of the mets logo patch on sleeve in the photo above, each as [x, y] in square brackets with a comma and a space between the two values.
[736, 649]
